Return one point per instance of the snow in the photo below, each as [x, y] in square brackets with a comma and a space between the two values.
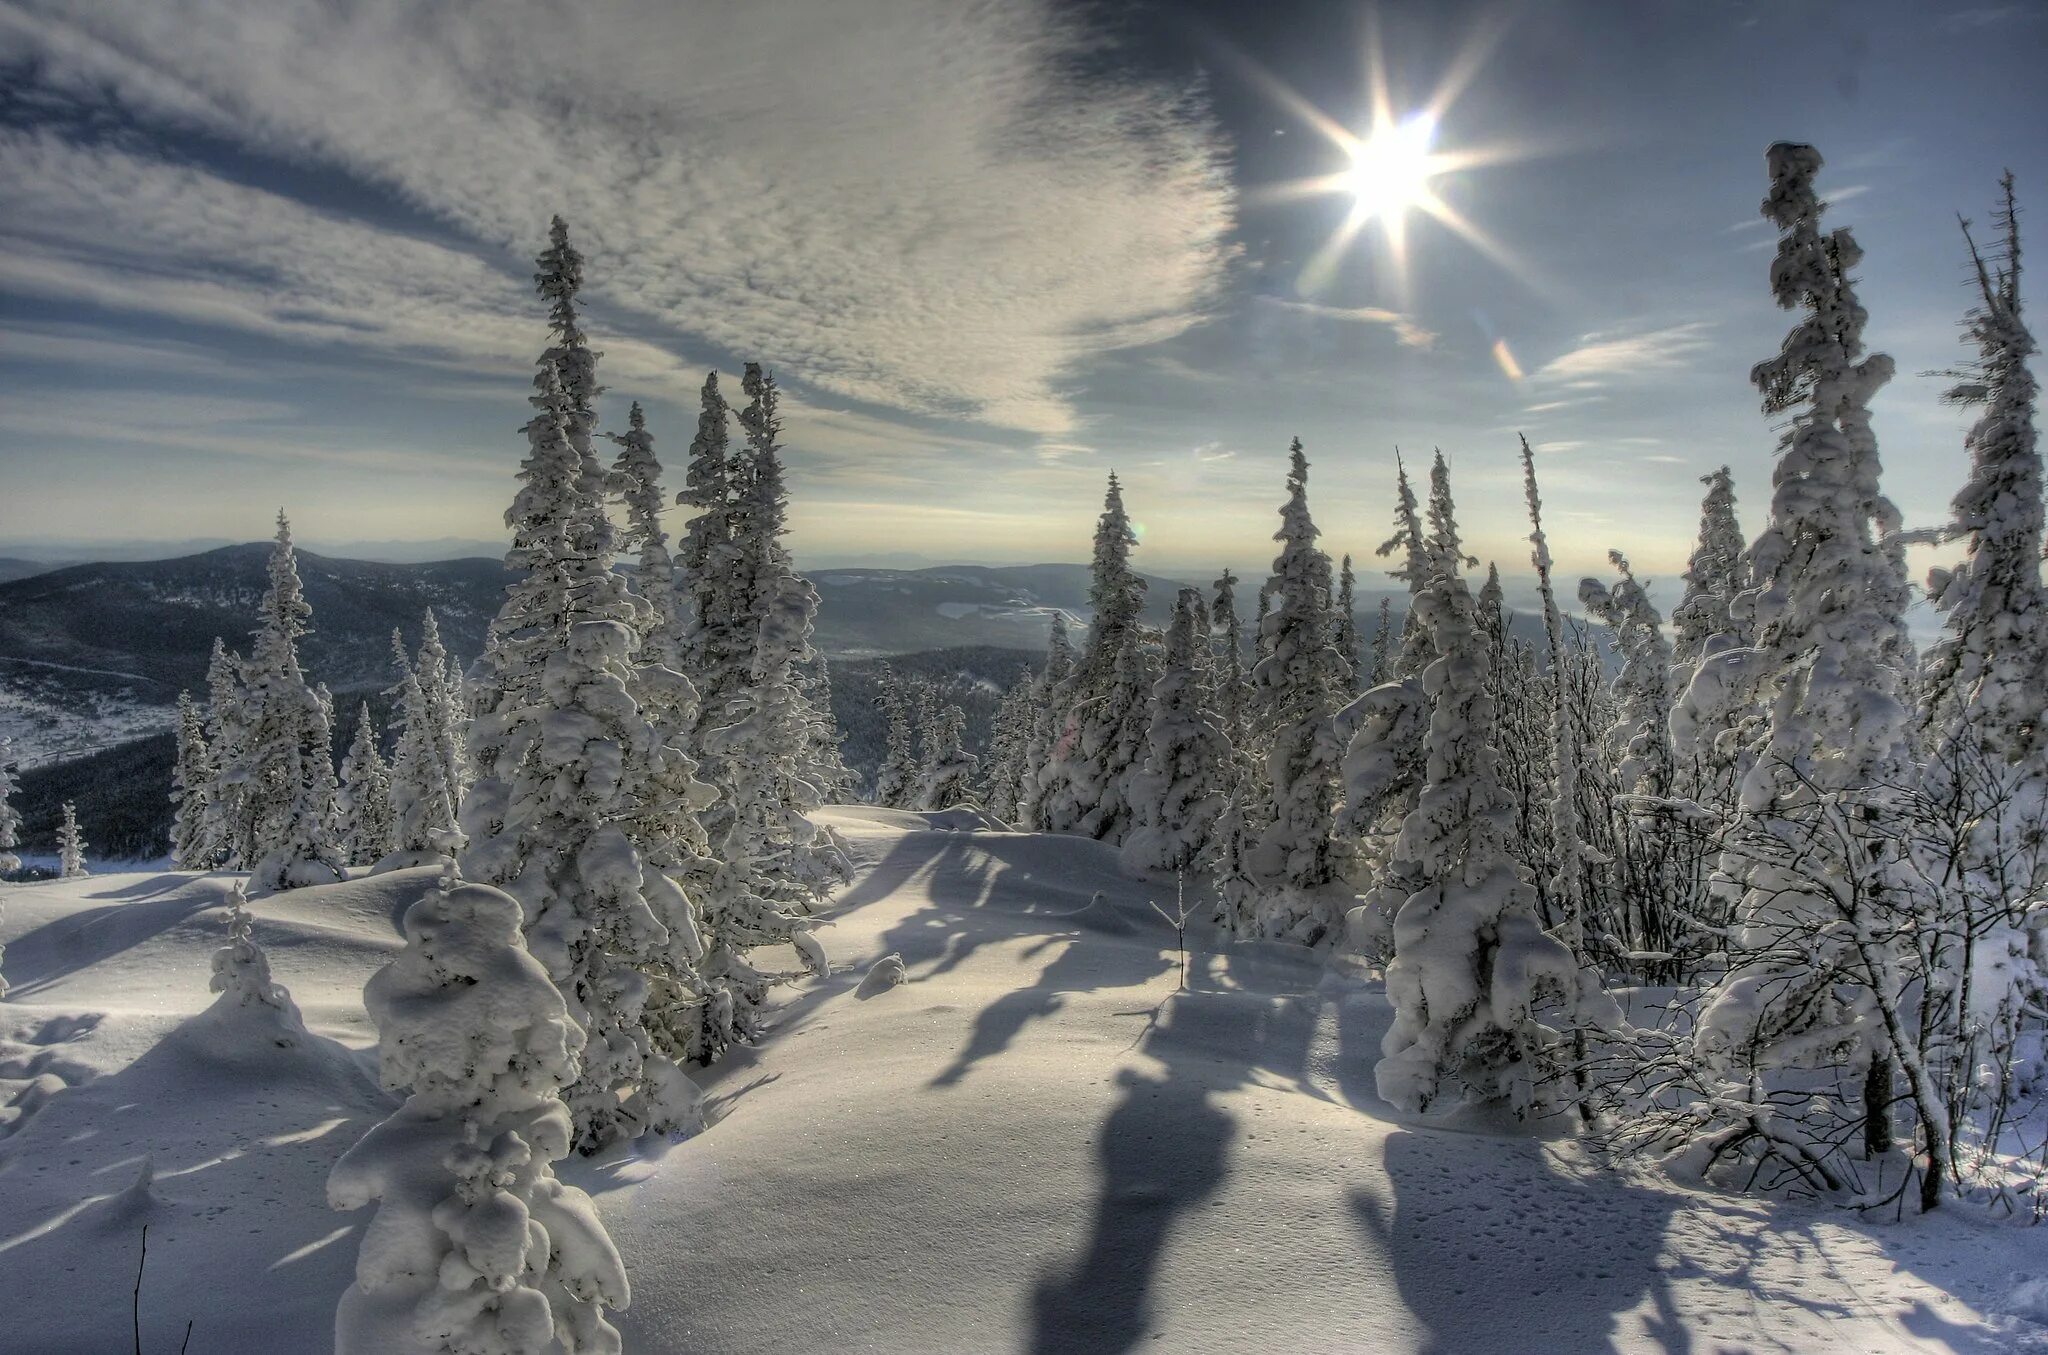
[1034, 1144]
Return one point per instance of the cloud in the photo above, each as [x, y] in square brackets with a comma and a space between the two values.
[1603, 359]
[923, 206]
[1404, 327]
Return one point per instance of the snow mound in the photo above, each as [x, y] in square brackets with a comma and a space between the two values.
[884, 974]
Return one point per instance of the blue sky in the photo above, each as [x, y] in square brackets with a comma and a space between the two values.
[263, 252]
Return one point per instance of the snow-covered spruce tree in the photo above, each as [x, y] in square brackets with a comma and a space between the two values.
[193, 845]
[284, 756]
[1382, 731]
[366, 823]
[1084, 788]
[1301, 682]
[779, 608]
[897, 776]
[229, 828]
[1705, 615]
[764, 880]
[1980, 818]
[423, 804]
[1639, 743]
[1344, 629]
[1657, 869]
[1567, 885]
[1830, 595]
[1474, 974]
[824, 759]
[1184, 781]
[1002, 784]
[1230, 696]
[949, 769]
[714, 649]
[636, 479]
[561, 743]
[241, 975]
[475, 1246]
[1049, 694]
[447, 706]
[1409, 543]
[10, 817]
[1381, 661]
[70, 845]
[554, 758]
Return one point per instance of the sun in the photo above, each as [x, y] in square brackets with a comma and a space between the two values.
[1391, 169]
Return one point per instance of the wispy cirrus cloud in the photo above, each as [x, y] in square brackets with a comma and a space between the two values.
[1404, 327]
[910, 203]
[1607, 358]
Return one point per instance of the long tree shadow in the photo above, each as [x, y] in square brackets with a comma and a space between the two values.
[1164, 1150]
[1492, 1250]
[65, 945]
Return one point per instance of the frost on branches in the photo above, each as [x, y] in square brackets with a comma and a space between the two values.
[475, 1246]
[1184, 782]
[1482, 994]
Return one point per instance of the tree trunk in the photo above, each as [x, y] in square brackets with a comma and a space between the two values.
[1877, 1106]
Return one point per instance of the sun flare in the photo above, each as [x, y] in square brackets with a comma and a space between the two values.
[1391, 169]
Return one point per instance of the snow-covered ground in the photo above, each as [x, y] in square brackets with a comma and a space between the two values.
[1034, 1143]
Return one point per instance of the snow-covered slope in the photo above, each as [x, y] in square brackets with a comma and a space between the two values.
[1033, 1143]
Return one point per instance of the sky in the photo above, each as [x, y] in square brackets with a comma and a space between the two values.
[278, 252]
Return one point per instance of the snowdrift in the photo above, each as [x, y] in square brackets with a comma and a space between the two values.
[1033, 1142]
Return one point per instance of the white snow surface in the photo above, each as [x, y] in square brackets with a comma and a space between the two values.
[1035, 1144]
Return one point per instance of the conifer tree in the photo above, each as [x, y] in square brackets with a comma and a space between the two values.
[423, 804]
[1567, 837]
[1639, 744]
[824, 760]
[1048, 725]
[947, 778]
[1002, 787]
[367, 821]
[241, 975]
[1713, 578]
[229, 827]
[898, 773]
[193, 845]
[562, 743]
[1228, 630]
[1301, 681]
[1084, 789]
[705, 557]
[1830, 640]
[10, 817]
[441, 688]
[1473, 969]
[70, 845]
[1382, 662]
[284, 755]
[475, 1245]
[1414, 571]
[1184, 781]
[1987, 679]
[1344, 630]
[636, 478]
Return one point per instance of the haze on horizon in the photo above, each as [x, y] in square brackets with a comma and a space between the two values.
[991, 253]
